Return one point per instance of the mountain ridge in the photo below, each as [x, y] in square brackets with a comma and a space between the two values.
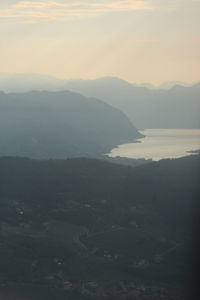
[60, 124]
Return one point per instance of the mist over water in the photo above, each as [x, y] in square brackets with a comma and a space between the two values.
[161, 143]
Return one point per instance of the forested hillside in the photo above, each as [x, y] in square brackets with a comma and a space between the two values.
[88, 227]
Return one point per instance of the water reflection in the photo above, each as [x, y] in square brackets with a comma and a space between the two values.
[161, 143]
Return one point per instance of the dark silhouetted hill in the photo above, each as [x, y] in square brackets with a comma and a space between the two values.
[85, 224]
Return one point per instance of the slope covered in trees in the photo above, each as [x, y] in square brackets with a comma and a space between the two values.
[90, 228]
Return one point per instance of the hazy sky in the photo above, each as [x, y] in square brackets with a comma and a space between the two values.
[137, 40]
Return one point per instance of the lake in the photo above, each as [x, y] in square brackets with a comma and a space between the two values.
[160, 143]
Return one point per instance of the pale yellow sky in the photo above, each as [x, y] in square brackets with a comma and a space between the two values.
[137, 40]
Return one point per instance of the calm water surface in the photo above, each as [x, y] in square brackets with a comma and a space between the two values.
[161, 143]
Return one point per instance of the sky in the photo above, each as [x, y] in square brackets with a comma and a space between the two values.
[137, 40]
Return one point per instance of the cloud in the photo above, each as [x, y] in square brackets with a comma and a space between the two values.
[44, 11]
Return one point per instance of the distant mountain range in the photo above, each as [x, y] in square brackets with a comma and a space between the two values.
[25, 82]
[174, 105]
[166, 85]
[178, 107]
[59, 125]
